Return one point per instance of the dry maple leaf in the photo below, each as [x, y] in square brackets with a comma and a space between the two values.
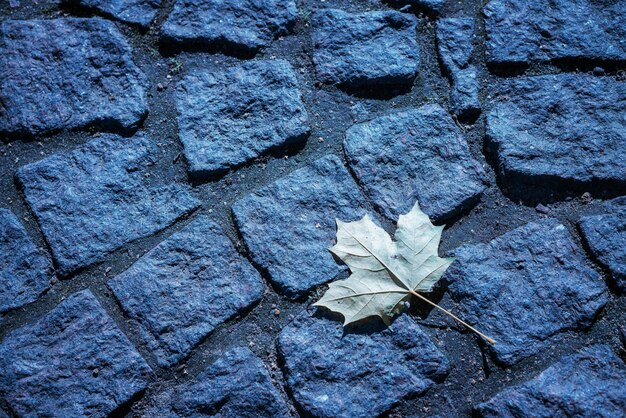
[386, 273]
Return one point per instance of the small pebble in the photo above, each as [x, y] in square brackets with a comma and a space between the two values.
[542, 209]
[598, 71]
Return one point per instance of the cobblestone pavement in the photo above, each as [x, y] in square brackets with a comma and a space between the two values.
[170, 175]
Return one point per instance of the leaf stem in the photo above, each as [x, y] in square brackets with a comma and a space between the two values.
[489, 340]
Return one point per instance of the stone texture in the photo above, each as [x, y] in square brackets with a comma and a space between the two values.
[236, 385]
[67, 74]
[525, 31]
[365, 49]
[229, 117]
[72, 362]
[464, 101]
[181, 290]
[322, 364]
[138, 12]
[289, 225]
[525, 287]
[25, 271]
[605, 236]
[417, 154]
[454, 42]
[589, 383]
[229, 25]
[92, 200]
[561, 132]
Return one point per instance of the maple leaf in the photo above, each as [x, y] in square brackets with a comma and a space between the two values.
[385, 273]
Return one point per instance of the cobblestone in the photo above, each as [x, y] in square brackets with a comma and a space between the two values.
[72, 362]
[228, 118]
[68, 74]
[94, 199]
[25, 271]
[289, 225]
[181, 290]
[415, 154]
[322, 364]
[525, 287]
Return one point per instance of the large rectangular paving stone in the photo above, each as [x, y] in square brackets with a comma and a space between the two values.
[181, 290]
[525, 287]
[589, 383]
[365, 49]
[236, 385]
[605, 236]
[68, 74]
[332, 373]
[230, 117]
[520, 32]
[96, 198]
[25, 271]
[229, 25]
[417, 154]
[73, 362]
[139, 12]
[289, 225]
[560, 132]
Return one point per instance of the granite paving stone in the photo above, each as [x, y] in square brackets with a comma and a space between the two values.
[289, 225]
[455, 45]
[520, 32]
[455, 41]
[73, 362]
[229, 25]
[365, 49]
[229, 117]
[333, 373]
[560, 132]
[605, 236]
[138, 12]
[589, 383]
[416, 154]
[92, 200]
[181, 290]
[25, 271]
[236, 385]
[526, 287]
[464, 100]
[68, 73]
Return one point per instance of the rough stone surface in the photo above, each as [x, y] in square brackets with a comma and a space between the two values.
[25, 271]
[525, 287]
[231, 25]
[139, 12]
[289, 225]
[94, 199]
[524, 31]
[605, 236]
[67, 74]
[464, 101]
[323, 363]
[365, 49]
[454, 42]
[236, 385]
[564, 131]
[229, 117]
[180, 291]
[418, 154]
[73, 362]
[586, 384]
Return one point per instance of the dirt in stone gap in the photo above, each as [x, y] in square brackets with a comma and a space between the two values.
[473, 377]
